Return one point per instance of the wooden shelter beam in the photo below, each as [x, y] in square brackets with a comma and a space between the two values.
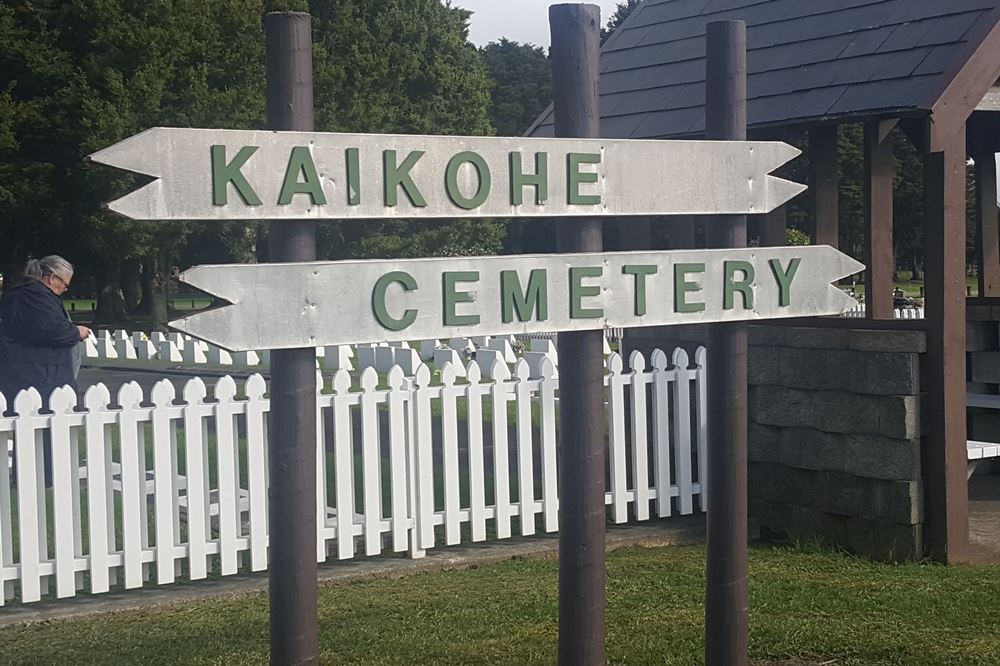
[824, 183]
[946, 492]
[969, 81]
[880, 259]
[987, 231]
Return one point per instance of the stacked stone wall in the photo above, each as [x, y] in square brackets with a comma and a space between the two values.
[834, 437]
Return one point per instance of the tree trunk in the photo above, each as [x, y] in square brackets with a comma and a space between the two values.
[155, 276]
[111, 310]
[132, 283]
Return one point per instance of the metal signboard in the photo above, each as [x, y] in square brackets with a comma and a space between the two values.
[213, 174]
[325, 303]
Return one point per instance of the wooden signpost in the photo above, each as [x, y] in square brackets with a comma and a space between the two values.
[295, 177]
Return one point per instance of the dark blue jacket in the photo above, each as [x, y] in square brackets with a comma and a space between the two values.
[36, 341]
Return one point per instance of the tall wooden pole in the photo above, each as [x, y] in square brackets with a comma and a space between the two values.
[575, 53]
[292, 435]
[880, 258]
[726, 595]
[824, 181]
[946, 488]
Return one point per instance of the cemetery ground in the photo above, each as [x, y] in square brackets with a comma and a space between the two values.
[808, 606]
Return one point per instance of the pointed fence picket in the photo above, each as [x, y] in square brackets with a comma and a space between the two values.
[152, 489]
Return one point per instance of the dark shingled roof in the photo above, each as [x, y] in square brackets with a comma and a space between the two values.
[809, 60]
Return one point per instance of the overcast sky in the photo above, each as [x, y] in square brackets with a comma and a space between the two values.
[524, 21]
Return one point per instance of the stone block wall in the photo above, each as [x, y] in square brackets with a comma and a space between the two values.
[834, 437]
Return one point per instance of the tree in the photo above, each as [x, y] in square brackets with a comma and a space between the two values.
[90, 73]
[522, 85]
[400, 66]
[622, 12]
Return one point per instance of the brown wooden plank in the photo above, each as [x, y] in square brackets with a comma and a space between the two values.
[824, 183]
[946, 496]
[880, 260]
[987, 232]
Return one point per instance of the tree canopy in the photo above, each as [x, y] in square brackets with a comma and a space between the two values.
[79, 76]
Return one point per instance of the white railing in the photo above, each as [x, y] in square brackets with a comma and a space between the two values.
[159, 491]
[859, 312]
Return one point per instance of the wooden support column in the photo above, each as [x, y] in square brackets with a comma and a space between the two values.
[987, 232]
[772, 227]
[633, 233]
[880, 259]
[946, 491]
[824, 183]
[681, 231]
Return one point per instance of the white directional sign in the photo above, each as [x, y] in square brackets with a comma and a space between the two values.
[211, 174]
[278, 306]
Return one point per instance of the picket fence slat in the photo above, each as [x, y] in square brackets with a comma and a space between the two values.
[196, 467]
[640, 466]
[477, 460]
[616, 439]
[371, 462]
[343, 465]
[501, 451]
[203, 496]
[682, 433]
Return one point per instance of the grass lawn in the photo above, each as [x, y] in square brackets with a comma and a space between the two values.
[809, 606]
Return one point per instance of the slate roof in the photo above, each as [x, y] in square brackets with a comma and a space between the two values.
[808, 60]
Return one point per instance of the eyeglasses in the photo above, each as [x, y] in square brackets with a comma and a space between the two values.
[65, 283]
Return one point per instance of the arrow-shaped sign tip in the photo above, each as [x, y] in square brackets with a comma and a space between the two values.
[780, 192]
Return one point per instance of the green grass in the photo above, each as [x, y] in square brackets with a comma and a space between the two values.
[807, 605]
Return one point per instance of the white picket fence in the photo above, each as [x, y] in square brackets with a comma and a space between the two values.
[160, 491]
[859, 312]
[177, 348]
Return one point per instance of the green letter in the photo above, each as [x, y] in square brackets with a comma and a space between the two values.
[577, 292]
[453, 297]
[301, 161]
[576, 178]
[535, 297]
[518, 179]
[399, 176]
[682, 287]
[743, 286]
[482, 174]
[378, 300]
[353, 178]
[223, 174]
[640, 273]
[784, 279]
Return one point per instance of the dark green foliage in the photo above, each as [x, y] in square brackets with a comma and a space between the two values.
[79, 76]
[400, 66]
[522, 87]
[622, 11]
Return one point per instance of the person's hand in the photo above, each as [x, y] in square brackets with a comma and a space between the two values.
[84, 332]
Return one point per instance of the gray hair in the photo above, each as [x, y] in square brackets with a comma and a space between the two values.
[39, 269]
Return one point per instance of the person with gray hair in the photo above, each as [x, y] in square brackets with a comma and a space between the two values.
[39, 345]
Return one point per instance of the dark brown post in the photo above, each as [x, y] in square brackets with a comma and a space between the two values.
[824, 183]
[575, 54]
[292, 435]
[880, 258]
[773, 226]
[726, 600]
[987, 233]
[946, 492]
